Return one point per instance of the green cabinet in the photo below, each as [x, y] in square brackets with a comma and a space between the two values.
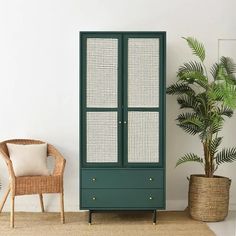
[122, 120]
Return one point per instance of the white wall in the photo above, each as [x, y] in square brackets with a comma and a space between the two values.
[39, 75]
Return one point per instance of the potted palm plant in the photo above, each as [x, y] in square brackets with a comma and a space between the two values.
[206, 102]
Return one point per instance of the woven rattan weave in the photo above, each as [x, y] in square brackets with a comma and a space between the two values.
[209, 197]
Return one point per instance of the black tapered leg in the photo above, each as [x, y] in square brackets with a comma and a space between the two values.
[90, 217]
[154, 217]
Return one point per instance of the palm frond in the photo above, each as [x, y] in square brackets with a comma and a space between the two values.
[186, 101]
[228, 64]
[216, 92]
[190, 123]
[214, 145]
[225, 111]
[195, 77]
[189, 157]
[216, 125]
[189, 118]
[179, 88]
[224, 92]
[224, 70]
[190, 128]
[226, 156]
[197, 47]
[202, 99]
[230, 98]
[215, 70]
[190, 67]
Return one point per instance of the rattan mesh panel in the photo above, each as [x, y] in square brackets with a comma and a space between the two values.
[101, 137]
[143, 72]
[143, 137]
[102, 69]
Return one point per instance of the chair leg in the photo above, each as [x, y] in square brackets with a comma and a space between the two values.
[12, 211]
[4, 199]
[41, 202]
[62, 208]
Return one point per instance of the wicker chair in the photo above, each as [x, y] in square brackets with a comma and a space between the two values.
[27, 185]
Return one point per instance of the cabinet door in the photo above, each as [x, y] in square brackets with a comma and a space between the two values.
[100, 99]
[144, 99]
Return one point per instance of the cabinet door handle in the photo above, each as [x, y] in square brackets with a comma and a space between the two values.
[119, 122]
[94, 198]
[151, 179]
[125, 122]
[150, 198]
[93, 179]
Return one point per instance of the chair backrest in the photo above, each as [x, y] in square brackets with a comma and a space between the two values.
[3, 145]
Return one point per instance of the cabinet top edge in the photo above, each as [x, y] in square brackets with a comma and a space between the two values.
[124, 168]
[123, 32]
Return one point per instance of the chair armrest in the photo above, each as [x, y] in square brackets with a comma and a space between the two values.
[59, 160]
[8, 162]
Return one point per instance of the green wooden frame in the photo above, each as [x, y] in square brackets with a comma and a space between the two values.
[84, 109]
[122, 109]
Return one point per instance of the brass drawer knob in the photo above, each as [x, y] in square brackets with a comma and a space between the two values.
[151, 179]
[94, 198]
[93, 179]
[150, 198]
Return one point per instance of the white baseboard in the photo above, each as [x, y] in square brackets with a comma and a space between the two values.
[176, 205]
[171, 205]
[232, 206]
[36, 208]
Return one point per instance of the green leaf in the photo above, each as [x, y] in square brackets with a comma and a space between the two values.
[224, 70]
[215, 70]
[217, 92]
[186, 101]
[179, 88]
[191, 66]
[216, 125]
[189, 157]
[195, 77]
[190, 128]
[225, 111]
[226, 156]
[190, 123]
[215, 143]
[197, 47]
[225, 93]
[228, 64]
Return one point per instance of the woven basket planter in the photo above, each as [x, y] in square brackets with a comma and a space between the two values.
[208, 197]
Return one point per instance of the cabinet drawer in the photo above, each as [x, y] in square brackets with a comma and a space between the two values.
[128, 178]
[122, 198]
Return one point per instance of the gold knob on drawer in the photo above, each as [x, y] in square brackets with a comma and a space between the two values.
[151, 179]
[93, 179]
[150, 198]
[94, 198]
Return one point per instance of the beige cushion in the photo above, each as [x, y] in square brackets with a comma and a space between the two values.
[30, 159]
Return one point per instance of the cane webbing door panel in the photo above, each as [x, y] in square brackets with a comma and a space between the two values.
[143, 72]
[122, 107]
[102, 137]
[100, 99]
[143, 104]
[143, 137]
[102, 72]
